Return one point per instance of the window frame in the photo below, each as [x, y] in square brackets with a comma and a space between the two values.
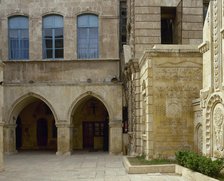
[53, 39]
[88, 28]
[19, 39]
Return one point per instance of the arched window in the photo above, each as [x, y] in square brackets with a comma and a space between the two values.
[53, 37]
[88, 47]
[18, 27]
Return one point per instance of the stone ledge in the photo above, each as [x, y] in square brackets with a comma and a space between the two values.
[144, 169]
[191, 175]
[166, 168]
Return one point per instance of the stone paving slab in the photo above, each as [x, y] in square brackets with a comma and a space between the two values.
[81, 166]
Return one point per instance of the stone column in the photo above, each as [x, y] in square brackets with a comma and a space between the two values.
[64, 139]
[1, 148]
[115, 137]
[10, 139]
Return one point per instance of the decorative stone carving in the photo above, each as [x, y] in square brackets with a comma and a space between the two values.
[214, 100]
[216, 45]
[199, 138]
[218, 119]
[204, 47]
[173, 107]
[204, 96]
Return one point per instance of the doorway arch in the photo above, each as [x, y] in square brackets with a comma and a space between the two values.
[90, 120]
[24, 129]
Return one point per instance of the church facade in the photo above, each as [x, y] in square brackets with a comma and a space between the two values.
[133, 77]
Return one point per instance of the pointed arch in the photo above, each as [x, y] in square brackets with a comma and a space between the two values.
[84, 96]
[24, 101]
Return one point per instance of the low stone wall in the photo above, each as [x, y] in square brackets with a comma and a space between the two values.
[166, 168]
[144, 169]
[191, 175]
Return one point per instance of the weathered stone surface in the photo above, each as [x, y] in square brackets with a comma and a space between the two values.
[146, 16]
[212, 94]
[61, 84]
[1, 117]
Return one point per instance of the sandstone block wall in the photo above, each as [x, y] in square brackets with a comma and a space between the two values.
[108, 12]
[145, 23]
[172, 78]
[1, 115]
[212, 94]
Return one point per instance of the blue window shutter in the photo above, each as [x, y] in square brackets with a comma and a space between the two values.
[88, 36]
[18, 38]
[53, 37]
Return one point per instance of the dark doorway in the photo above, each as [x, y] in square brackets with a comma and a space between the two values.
[42, 133]
[88, 135]
[18, 133]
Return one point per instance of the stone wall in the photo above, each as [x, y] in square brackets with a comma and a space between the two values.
[108, 24]
[1, 114]
[212, 94]
[170, 77]
[145, 23]
[61, 84]
[61, 72]
[198, 129]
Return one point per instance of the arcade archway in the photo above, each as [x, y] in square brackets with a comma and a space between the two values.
[30, 125]
[35, 128]
[90, 122]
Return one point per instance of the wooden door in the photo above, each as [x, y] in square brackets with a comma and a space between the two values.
[42, 132]
[88, 135]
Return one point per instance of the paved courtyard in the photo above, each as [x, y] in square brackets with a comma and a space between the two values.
[83, 166]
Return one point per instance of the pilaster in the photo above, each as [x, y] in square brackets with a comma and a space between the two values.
[64, 139]
[1, 148]
[115, 138]
[10, 139]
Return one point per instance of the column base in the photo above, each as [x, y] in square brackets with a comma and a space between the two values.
[111, 153]
[11, 153]
[69, 153]
[2, 169]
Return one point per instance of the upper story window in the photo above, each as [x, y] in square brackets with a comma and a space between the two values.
[18, 27]
[88, 45]
[53, 37]
[168, 25]
[205, 8]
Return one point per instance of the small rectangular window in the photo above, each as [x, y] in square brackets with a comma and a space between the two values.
[168, 16]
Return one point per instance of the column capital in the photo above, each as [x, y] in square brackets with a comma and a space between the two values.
[64, 124]
[9, 125]
[115, 124]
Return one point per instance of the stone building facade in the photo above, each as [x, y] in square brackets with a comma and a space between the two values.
[61, 91]
[211, 99]
[66, 84]
[163, 75]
